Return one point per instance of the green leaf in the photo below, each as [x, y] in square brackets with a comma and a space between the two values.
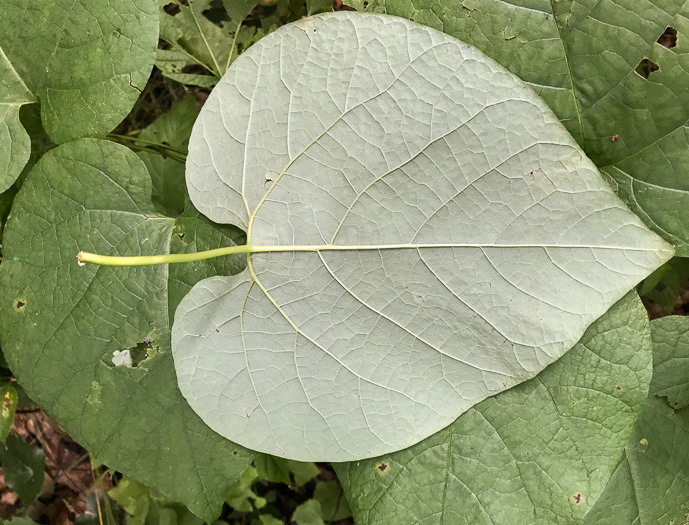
[23, 467]
[539, 453]
[9, 398]
[583, 58]
[272, 469]
[167, 177]
[308, 513]
[134, 498]
[666, 283]
[86, 61]
[671, 360]
[241, 497]
[15, 145]
[6, 200]
[267, 519]
[278, 470]
[172, 63]
[332, 500]
[195, 42]
[318, 6]
[238, 10]
[303, 471]
[414, 216]
[19, 520]
[651, 483]
[174, 127]
[96, 195]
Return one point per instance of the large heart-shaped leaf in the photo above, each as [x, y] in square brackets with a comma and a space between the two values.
[86, 61]
[423, 234]
[538, 454]
[61, 324]
[615, 73]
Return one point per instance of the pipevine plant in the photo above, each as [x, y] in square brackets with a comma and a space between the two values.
[410, 235]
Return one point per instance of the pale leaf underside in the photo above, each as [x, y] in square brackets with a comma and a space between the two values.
[437, 237]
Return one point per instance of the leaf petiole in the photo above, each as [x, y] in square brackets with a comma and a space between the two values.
[148, 260]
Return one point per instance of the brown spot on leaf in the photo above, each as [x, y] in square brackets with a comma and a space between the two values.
[615, 138]
[382, 468]
[618, 387]
[19, 304]
[669, 38]
[578, 498]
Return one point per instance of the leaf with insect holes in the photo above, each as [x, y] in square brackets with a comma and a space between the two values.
[614, 72]
[425, 234]
[62, 324]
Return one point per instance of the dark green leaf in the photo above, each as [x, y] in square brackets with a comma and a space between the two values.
[238, 10]
[133, 419]
[671, 360]
[332, 499]
[195, 42]
[23, 467]
[174, 127]
[665, 284]
[85, 61]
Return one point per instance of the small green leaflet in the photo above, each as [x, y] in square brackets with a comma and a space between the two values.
[430, 235]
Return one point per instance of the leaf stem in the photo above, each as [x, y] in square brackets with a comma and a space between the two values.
[147, 260]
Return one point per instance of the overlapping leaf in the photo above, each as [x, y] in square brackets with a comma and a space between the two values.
[589, 61]
[60, 324]
[540, 453]
[426, 234]
[651, 483]
[85, 61]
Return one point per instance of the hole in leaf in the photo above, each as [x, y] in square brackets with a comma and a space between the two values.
[668, 38]
[19, 304]
[578, 498]
[661, 286]
[646, 67]
[132, 357]
[618, 387]
[172, 9]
